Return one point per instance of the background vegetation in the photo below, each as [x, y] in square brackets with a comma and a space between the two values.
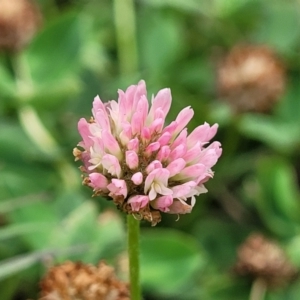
[46, 216]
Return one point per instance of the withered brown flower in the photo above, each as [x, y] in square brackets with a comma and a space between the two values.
[19, 21]
[75, 280]
[262, 258]
[251, 78]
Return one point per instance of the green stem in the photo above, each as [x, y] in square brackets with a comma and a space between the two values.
[133, 232]
[124, 15]
[258, 290]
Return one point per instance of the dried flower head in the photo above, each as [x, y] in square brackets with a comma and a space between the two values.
[129, 156]
[19, 21]
[80, 281]
[262, 258]
[251, 78]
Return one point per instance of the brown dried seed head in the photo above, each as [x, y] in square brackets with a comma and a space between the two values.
[262, 258]
[19, 21]
[80, 281]
[251, 78]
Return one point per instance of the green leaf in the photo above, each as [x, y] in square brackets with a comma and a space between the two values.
[169, 260]
[20, 263]
[55, 51]
[280, 135]
[278, 197]
[17, 230]
[191, 6]
[278, 24]
[225, 8]
[81, 226]
[163, 30]
[217, 239]
[10, 205]
[7, 84]
[17, 264]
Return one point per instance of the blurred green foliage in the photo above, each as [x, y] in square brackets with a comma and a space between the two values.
[46, 216]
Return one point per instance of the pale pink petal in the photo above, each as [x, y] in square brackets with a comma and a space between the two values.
[96, 153]
[83, 128]
[102, 120]
[183, 119]
[162, 101]
[139, 116]
[183, 189]
[117, 187]
[211, 154]
[137, 202]
[152, 148]
[180, 140]
[132, 159]
[156, 164]
[170, 128]
[157, 182]
[163, 153]
[137, 178]
[111, 164]
[179, 151]
[191, 172]
[156, 126]
[202, 134]
[133, 145]
[95, 130]
[146, 135]
[179, 207]
[162, 203]
[126, 133]
[192, 156]
[100, 113]
[176, 166]
[164, 139]
[98, 181]
[187, 190]
[111, 145]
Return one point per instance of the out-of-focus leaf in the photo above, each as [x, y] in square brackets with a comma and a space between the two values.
[17, 264]
[280, 135]
[278, 27]
[292, 249]
[8, 287]
[77, 227]
[55, 51]
[7, 84]
[14, 144]
[17, 230]
[81, 226]
[169, 260]
[289, 107]
[161, 44]
[10, 205]
[22, 262]
[278, 199]
[18, 181]
[290, 292]
[224, 8]
[191, 6]
[65, 89]
[220, 239]
[37, 212]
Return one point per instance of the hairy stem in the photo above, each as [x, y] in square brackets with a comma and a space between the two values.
[133, 232]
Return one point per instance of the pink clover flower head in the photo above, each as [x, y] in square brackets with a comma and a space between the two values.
[145, 167]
